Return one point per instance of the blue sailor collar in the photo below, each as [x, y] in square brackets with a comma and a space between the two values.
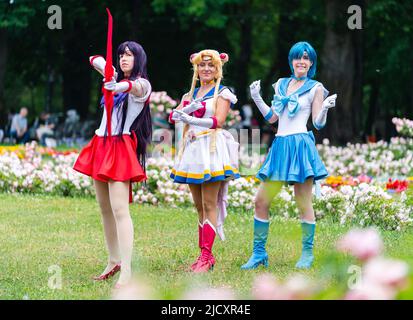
[210, 93]
[282, 100]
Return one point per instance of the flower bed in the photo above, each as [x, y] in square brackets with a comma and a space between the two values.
[361, 200]
[369, 184]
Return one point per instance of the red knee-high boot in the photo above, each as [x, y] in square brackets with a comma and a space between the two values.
[207, 261]
[200, 227]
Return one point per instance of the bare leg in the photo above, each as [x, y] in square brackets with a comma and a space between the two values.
[196, 191]
[119, 200]
[304, 200]
[209, 201]
[197, 197]
[266, 192]
[109, 224]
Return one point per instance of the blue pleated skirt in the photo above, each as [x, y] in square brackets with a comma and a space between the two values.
[293, 159]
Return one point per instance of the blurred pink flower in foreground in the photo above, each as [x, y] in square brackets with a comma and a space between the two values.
[381, 280]
[370, 291]
[136, 289]
[361, 243]
[207, 293]
[387, 272]
[297, 287]
[266, 287]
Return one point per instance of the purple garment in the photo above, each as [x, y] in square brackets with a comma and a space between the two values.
[117, 99]
[222, 204]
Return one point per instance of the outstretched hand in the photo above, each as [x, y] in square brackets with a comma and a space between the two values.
[330, 102]
[255, 88]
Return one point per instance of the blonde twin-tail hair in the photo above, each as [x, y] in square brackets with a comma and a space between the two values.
[218, 61]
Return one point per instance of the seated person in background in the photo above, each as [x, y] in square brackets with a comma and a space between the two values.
[18, 129]
[45, 129]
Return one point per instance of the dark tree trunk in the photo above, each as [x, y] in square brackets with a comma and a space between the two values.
[409, 110]
[284, 37]
[3, 63]
[357, 104]
[341, 73]
[76, 72]
[369, 128]
[244, 57]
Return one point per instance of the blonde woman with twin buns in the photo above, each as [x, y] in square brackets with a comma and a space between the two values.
[207, 158]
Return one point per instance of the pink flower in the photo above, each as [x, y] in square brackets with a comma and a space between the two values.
[136, 289]
[370, 291]
[393, 273]
[209, 294]
[266, 287]
[361, 243]
[364, 178]
[298, 287]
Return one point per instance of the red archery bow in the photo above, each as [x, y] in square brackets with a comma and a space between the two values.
[109, 73]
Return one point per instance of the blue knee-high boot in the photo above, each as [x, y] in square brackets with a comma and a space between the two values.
[306, 259]
[259, 255]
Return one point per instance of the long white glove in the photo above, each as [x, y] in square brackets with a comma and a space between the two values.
[202, 122]
[265, 110]
[99, 63]
[321, 119]
[192, 107]
[122, 86]
[174, 116]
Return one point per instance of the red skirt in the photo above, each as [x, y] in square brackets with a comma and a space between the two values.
[114, 159]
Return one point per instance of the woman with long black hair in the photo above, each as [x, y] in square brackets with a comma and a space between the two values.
[116, 160]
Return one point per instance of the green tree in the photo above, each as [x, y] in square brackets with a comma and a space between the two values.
[12, 19]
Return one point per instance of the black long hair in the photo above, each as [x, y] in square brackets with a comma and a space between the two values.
[142, 126]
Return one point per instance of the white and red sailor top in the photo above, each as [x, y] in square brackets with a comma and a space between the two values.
[135, 107]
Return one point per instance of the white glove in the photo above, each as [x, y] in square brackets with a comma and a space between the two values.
[202, 122]
[99, 63]
[265, 110]
[122, 86]
[193, 106]
[321, 120]
[330, 102]
[255, 89]
[175, 116]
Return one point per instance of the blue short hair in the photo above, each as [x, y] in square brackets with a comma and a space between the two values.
[297, 51]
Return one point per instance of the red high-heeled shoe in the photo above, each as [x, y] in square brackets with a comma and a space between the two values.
[106, 276]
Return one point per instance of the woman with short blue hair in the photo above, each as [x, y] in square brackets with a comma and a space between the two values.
[293, 157]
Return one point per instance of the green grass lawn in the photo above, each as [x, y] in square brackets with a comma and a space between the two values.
[37, 232]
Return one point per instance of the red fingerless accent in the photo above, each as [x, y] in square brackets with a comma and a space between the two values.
[200, 112]
[185, 103]
[93, 58]
[170, 118]
[129, 83]
[215, 122]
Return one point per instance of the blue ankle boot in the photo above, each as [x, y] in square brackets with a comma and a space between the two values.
[259, 255]
[306, 259]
